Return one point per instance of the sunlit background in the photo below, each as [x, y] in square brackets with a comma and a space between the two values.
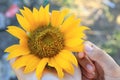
[102, 16]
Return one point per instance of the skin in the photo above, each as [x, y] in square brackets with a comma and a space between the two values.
[102, 61]
[94, 64]
[47, 74]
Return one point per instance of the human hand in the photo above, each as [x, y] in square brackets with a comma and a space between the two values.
[52, 75]
[101, 59]
[86, 65]
[47, 74]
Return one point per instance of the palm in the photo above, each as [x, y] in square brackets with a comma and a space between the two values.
[47, 75]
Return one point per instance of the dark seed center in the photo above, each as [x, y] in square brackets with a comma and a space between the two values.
[46, 41]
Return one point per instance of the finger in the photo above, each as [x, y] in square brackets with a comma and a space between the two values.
[87, 67]
[97, 75]
[98, 55]
[99, 72]
[85, 78]
[87, 75]
[102, 58]
[86, 63]
[80, 55]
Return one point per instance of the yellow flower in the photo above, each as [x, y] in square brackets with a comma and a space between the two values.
[46, 40]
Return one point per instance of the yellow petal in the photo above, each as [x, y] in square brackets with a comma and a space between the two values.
[47, 15]
[79, 35]
[23, 22]
[76, 32]
[27, 13]
[22, 61]
[17, 32]
[66, 65]
[24, 42]
[53, 63]
[79, 48]
[36, 17]
[18, 52]
[67, 55]
[42, 15]
[71, 26]
[60, 19]
[57, 17]
[54, 18]
[67, 23]
[65, 11]
[12, 48]
[35, 14]
[73, 42]
[83, 28]
[31, 65]
[41, 67]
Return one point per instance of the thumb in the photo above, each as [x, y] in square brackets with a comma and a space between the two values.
[96, 54]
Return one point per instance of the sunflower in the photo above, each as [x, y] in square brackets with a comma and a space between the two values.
[46, 40]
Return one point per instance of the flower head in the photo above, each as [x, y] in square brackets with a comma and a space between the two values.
[46, 40]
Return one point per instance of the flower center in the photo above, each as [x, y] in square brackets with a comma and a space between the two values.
[46, 41]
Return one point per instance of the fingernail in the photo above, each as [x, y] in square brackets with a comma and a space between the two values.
[80, 55]
[90, 68]
[88, 48]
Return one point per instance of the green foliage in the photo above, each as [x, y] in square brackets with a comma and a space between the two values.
[113, 46]
[45, 2]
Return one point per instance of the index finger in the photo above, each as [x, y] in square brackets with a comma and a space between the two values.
[87, 67]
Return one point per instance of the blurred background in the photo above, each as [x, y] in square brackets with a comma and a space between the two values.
[102, 16]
